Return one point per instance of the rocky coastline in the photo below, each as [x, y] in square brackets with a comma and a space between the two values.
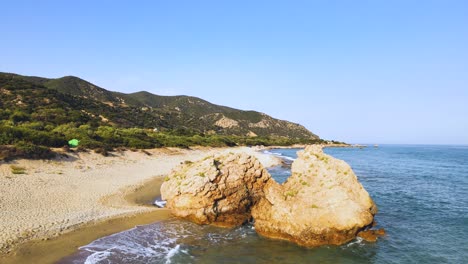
[321, 203]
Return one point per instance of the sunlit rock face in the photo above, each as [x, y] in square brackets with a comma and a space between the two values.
[218, 190]
[321, 203]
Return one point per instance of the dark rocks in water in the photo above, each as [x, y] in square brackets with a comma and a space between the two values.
[371, 235]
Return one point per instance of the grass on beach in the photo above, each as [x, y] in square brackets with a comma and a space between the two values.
[17, 169]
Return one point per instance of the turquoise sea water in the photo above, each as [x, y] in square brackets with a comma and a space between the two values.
[421, 192]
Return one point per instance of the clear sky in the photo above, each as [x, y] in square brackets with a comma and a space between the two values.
[356, 71]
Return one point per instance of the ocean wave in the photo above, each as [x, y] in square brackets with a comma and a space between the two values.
[96, 257]
[163, 242]
[172, 253]
[138, 245]
[160, 202]
[358, 241]
[279, 155]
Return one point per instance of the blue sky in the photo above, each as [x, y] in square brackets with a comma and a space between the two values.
[356, 71]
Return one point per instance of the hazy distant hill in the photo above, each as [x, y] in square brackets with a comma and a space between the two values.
[71, 99]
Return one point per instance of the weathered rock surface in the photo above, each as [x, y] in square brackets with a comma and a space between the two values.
[321, 203]
[218, 190]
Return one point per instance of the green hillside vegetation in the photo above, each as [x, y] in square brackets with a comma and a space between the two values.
[38, 113]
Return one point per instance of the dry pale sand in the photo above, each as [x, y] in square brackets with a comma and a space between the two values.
[57, 196]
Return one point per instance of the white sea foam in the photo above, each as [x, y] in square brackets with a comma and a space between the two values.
[135, 244]
[278, 155]
[172, 253]
[96, 257]
[160, 203]
[162, 242]
[357, 241]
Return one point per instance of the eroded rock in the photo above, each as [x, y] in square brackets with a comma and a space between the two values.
[321, 203]
[218, 190]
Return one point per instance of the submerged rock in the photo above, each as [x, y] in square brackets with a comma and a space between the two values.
[218, 190]
[371, 235]
[321, 203]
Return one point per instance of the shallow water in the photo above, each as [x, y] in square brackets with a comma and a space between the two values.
[421, 192]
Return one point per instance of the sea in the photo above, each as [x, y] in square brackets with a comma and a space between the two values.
[421, 192]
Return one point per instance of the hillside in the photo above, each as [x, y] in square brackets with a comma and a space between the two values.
[146, 110]
[38, 113]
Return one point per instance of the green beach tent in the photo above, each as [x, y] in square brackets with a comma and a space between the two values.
[73, 143]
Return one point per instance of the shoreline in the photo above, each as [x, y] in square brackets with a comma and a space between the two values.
[301, 146]
[54, 249]
[92, 196]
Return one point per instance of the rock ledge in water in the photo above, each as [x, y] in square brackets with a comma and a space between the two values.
[371, 235]
[218, 190]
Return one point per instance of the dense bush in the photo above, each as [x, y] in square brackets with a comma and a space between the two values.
[25, 150]
[32, 151]
[19, 116]
[14, 134]
[35, 133]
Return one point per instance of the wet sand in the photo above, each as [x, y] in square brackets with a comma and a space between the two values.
[51, 250]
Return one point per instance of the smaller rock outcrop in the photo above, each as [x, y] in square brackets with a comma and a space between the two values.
[371, 235]
[218, 190]
[321, 203]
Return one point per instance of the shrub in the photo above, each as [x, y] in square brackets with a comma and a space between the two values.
[25, 150]
[81, 149]
[31, 151]
[17, 169]
[45, 138]
[105, 151]
[139, 144]
[19, 116]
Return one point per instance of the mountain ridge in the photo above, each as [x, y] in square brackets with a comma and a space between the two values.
[168, 112]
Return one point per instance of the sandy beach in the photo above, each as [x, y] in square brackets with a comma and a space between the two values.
[56, 197]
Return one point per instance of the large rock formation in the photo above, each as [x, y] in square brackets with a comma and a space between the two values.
[218, 190]
[321, 203]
